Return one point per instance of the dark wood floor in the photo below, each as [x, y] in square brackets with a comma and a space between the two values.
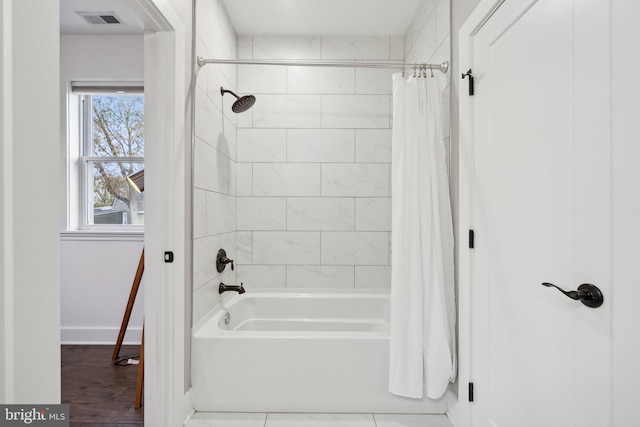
[98, 392]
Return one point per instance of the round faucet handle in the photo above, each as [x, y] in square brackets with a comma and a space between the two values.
[222, 260]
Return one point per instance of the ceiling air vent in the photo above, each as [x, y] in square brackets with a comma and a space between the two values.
[96, 18]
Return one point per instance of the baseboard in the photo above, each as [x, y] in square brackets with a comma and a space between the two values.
[99, 336]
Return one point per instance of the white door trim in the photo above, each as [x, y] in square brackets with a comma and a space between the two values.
[461, 410]
[166, 59]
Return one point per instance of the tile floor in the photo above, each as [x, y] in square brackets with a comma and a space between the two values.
[210, 419]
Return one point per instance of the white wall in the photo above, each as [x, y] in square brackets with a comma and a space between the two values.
[314, 162]
[214, 204]
[29, 179]
[96, 270]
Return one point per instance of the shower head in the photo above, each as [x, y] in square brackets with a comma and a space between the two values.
[242, 104]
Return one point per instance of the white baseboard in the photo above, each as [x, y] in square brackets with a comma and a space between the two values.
[99, 336]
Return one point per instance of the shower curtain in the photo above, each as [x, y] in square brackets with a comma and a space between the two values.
[422, 356]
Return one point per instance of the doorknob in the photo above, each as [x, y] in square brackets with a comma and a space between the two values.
[587, 294]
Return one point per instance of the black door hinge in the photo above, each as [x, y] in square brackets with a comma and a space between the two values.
[472, 239]
[470, 75]
[470, 392]
[168, 256]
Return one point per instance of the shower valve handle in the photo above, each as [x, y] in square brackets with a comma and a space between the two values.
[222, 261]
[587, 294]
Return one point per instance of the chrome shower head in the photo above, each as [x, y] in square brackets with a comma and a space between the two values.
[242, 104]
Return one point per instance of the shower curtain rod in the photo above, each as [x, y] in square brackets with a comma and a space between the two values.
[350, 64]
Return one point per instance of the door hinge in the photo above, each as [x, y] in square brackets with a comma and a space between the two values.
[470, 75]
[472, 239]
[470, 392]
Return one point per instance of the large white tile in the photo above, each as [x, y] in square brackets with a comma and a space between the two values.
[355, 47]
[355, 179]
[320, 213]
[442, 18]
[217, 78]
[262, 213]
[205, 298]
[227, 30]
[320, 145]
[320, 80]
[262, 145]
[399, 420]
[373, 214]
[374, 81]
[262, 276]
[254, 79]
[286, 247]
[287, 111]
[373, 145]
[373, 277]
[286, 47]
[245, 120]
[207, 23]
[233, 178]
[204, 260]
[227, 419]
[355, 248]
[227, 143]
[208, 119]
[211, 168]
[320, 277]
[199, 213]
[244, 179]
[421, 18]
[355, 111]
[425, 41]
[320, 420]
[286, 179]
[244, 247]
[221, 213]
[202, 74]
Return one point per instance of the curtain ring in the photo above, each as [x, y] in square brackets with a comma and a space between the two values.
[403, 64]
[431, 68]
[414, 70]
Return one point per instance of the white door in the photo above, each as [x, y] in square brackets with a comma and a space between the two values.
[542, 212]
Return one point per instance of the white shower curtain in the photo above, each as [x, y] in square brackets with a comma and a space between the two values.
[422, 355]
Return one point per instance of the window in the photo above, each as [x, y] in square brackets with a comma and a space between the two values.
[112, 148]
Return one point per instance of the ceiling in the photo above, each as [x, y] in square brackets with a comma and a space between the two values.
[125, 10]
[322, 17]
[263, 17]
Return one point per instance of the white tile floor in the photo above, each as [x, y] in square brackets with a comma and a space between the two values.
[217, 419]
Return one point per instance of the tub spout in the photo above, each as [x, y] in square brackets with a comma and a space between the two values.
[224, 288]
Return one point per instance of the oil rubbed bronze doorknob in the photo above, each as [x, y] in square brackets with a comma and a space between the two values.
[587, 294]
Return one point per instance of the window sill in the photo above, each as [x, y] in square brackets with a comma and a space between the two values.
[102, 235]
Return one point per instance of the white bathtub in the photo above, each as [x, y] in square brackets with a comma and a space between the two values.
[298, 352]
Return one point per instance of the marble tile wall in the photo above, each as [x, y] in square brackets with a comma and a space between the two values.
[314, 164]
[428, 40]
[215, 157]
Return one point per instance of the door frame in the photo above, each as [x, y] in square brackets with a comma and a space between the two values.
[167, 400]
[460, 409]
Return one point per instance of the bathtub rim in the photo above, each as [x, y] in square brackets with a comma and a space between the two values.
[228, 301]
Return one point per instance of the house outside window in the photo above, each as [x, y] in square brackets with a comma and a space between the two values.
[112, 139]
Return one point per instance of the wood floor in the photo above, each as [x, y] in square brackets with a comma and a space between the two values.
[98, 392]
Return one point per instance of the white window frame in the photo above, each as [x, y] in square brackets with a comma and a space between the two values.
[85, 91]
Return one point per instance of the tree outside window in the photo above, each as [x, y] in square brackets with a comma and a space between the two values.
[114, 150]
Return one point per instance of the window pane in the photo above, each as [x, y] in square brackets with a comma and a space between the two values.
[117, 125]
[114, 200]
